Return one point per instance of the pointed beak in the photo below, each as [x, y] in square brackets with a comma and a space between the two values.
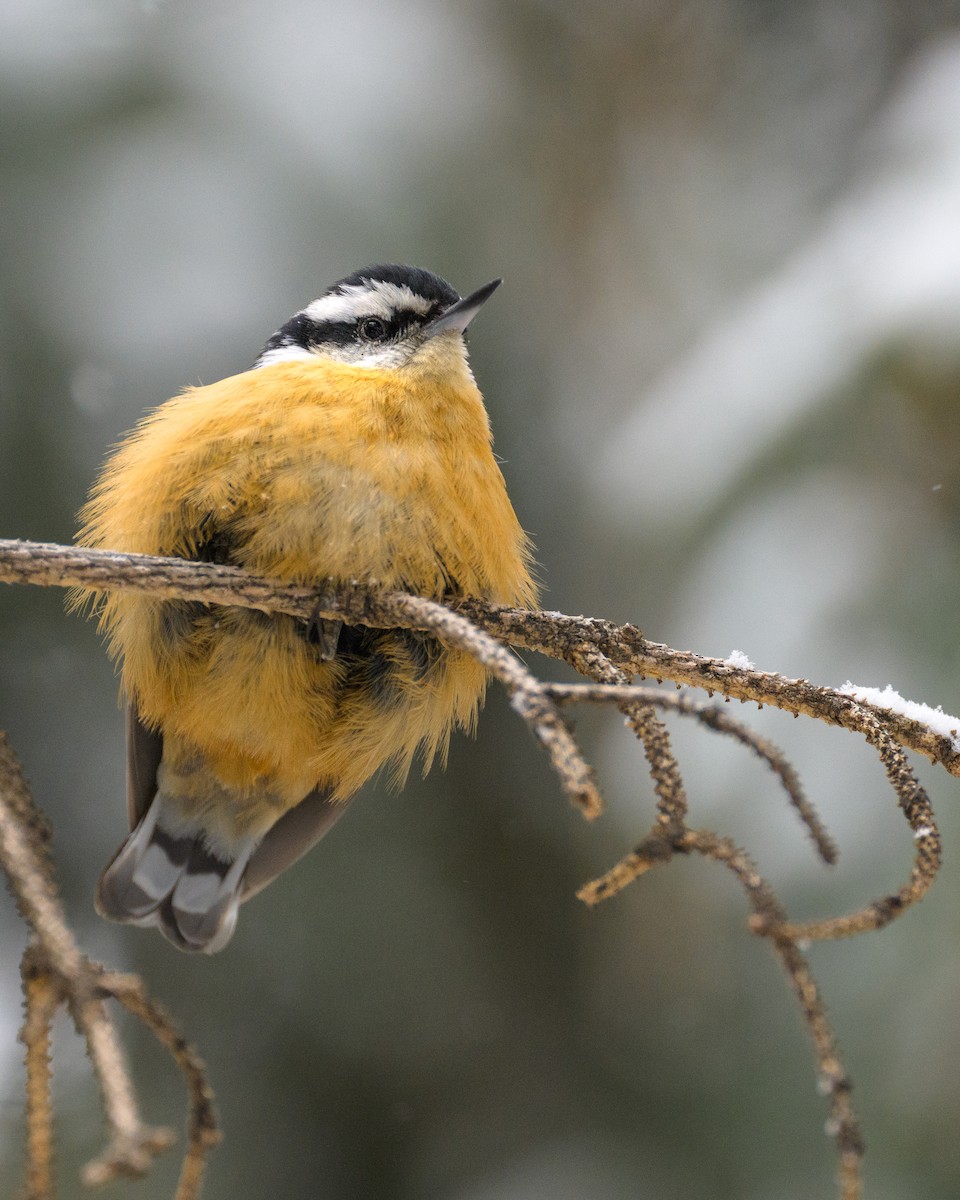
[458, 316]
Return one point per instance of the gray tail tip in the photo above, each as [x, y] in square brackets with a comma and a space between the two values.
[174, 884]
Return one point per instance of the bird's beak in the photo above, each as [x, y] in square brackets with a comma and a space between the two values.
[458, 316]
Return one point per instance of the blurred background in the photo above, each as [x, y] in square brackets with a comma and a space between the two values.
[723, 374]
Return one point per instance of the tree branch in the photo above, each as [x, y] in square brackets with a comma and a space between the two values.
[554, 634]
[611, 655]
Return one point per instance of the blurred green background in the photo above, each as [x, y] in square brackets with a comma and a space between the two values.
[723, 373]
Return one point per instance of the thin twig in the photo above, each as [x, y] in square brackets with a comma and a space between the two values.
[25, 857]
[769, 919]
[528, 696]
[41, 998]
[132, 1145]
[560, 636]
[918, 810]
[641, 717]
[55, 972]
[203, 1131]
[834, 1083]
[44, 564]
[717, 718]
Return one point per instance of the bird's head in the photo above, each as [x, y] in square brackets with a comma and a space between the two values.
[383, 317]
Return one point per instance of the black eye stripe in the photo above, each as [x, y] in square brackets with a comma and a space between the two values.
[329, 333]
[386, 283]
[310, 335]
[399, 323]
[306, 333]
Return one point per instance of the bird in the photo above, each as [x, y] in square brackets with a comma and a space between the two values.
[356, 447]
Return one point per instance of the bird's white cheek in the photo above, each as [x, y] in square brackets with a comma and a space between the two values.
[284, 354]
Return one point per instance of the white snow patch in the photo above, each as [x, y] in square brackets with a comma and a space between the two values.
[738, 659]
[936, 719]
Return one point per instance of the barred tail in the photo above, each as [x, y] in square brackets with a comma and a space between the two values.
[173, 881]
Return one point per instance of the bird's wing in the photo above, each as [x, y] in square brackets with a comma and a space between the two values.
[290, 838]
[144, 751]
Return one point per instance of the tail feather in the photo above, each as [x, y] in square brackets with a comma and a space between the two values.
[174, 882]
[204, 904]
[166, 876]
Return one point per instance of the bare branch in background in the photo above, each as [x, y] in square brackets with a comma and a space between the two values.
[56, 973]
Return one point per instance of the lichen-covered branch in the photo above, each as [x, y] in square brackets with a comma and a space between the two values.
[203, 1132]
[769, 919]
[569, 638]
[64, 566]
[916, 807]
[610, 655]
[553, 634]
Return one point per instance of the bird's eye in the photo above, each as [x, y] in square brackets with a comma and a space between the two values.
[372, 329]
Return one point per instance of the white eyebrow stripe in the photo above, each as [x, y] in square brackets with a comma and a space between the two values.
[374, 298]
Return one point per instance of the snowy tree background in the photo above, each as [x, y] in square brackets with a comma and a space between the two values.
[723, 372]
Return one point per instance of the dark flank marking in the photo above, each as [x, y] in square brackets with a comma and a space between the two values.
[451, 586]
[219, 545]
[377, 678]
[375, 658]
[355, 641]
[423, 650]
[179, 620]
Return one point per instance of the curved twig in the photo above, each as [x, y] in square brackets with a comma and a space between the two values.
[769, 918]
[203, 1132]
[714, 717]
[64, 566]
[55, 972]
[529, 698]
[927, 857]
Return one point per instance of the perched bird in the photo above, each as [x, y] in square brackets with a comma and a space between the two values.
[356, 447]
